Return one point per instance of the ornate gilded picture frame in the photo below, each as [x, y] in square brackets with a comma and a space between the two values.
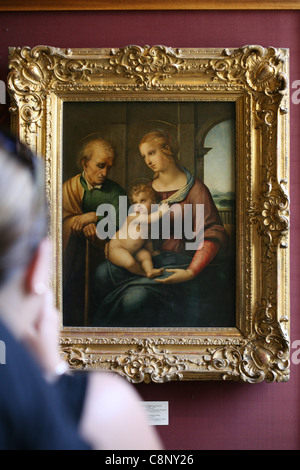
[228, 112]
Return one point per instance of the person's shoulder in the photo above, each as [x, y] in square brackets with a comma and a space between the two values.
[15, 353]
[29, 403]
[198, 183]
[199, 186]
[17, 366]
[199, 190]
[6, 339]
[74, 180]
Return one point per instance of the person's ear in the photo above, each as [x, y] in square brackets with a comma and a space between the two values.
[84, 163]
[38, 272]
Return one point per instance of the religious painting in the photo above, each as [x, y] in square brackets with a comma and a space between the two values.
[167, 178]
[201, 139]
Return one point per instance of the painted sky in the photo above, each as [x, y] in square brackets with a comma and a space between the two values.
[219, 163]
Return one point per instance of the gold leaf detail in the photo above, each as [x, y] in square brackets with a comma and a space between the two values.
[148, 66]
[259, 67]
[75, 356]
[147, 364]
[266, 356]
[271, 213]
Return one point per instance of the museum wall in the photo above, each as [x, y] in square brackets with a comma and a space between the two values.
[203, 415]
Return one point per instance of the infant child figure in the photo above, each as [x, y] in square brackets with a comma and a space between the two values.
[130, 247]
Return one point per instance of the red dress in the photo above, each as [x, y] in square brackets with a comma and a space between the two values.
[215, 236]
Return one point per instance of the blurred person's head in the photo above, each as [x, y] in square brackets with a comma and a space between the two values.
[24, 249]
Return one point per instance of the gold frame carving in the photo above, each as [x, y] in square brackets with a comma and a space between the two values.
[41, 79]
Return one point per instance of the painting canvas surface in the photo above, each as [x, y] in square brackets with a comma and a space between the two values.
[205, 134]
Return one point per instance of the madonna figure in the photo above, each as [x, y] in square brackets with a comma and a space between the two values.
[193, 289]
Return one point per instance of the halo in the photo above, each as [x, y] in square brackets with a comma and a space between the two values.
[140, 181]
[163, 122]
[88, 137]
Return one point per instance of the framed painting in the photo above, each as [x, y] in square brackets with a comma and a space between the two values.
[167, 178]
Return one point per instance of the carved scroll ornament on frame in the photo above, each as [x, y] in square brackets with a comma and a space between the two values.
[42, 78]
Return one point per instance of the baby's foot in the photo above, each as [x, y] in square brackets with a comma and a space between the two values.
[155, 273]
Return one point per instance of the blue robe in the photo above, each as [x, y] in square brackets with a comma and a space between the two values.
[126, 300]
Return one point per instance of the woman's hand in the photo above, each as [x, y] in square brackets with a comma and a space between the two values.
[179, 275]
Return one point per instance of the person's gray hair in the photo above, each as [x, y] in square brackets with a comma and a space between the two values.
[88, 147]
[23, 209]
